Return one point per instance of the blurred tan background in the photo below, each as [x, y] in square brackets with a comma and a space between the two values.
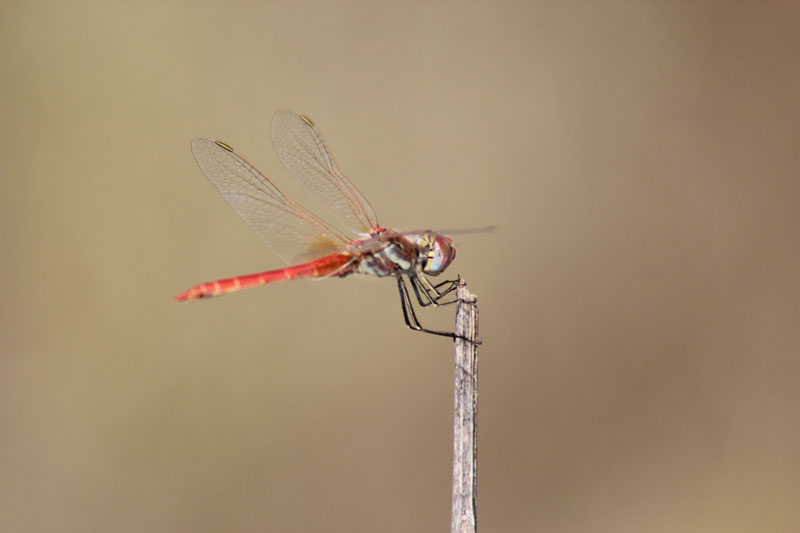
[639, 302]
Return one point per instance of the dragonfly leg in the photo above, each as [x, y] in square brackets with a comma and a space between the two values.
[433, 293]
[451, 285]
[420, 290]
[410, 316]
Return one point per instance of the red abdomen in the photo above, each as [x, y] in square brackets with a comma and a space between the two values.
[325, 266]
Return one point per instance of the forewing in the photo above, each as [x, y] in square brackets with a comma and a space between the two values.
[303, 152]
[287, 229]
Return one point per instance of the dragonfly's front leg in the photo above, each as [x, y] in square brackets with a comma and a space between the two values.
[410, 316]
[433, 293]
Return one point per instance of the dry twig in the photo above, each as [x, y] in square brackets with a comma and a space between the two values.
[465, 428]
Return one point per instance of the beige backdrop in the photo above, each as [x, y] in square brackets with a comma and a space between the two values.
[639, 302]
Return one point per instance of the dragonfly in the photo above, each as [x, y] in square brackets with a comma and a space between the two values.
[312, 247]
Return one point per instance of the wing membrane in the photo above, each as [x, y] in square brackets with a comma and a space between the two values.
[303, 152]
[287, 229]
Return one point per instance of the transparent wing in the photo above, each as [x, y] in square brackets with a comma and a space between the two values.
[303, 152]
[287, 229]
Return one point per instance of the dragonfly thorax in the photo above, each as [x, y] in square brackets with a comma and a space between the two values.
[391, 253]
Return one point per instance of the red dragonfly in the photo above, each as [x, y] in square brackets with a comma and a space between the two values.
[315, 248]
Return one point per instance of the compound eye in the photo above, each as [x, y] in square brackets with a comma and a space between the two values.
[439, 256]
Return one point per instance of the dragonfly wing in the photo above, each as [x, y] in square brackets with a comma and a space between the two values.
[287, 229]
[303, 152]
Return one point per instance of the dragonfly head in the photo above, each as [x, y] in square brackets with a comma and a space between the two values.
[438, 253]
